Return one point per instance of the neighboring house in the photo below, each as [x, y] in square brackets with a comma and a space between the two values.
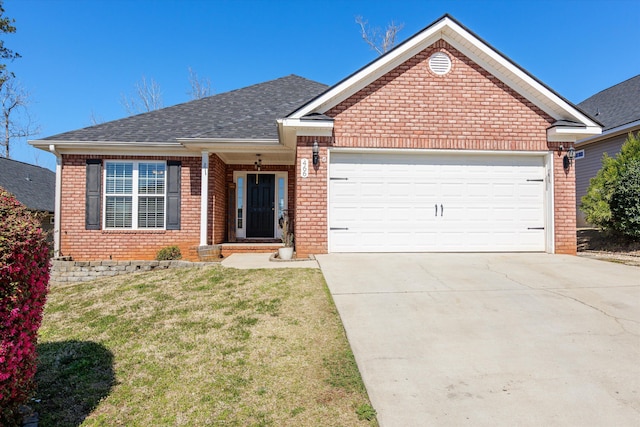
[442, 144]
[33, 186]
[618, 109]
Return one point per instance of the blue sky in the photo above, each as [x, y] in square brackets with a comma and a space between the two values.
[79, 57]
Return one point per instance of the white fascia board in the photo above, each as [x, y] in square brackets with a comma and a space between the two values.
[308, 127]
[220, 145]
[571, 134]
[287, 135]
[244, 149]
[114, 148]
[629, 127]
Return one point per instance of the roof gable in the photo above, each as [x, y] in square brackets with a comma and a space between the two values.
[480, 52]
[33, 186]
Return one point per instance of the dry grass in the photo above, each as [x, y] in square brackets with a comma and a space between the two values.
[198, 347]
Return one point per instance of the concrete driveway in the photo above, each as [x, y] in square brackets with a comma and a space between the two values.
[492, 339]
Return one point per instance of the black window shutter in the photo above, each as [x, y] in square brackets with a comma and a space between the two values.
[173, 194]
[93, 197]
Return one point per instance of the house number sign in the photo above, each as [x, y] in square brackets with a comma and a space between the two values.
[304, 168]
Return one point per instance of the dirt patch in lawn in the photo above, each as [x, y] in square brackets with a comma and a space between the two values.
[594, 243]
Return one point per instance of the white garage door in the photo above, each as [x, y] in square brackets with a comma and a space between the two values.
[435, 203]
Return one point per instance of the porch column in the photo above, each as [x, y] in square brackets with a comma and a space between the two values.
[58, 202]
[204, 198]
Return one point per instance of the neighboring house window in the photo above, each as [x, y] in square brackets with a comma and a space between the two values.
[134, 196]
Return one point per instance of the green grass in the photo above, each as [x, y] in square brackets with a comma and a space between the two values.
[198, 347]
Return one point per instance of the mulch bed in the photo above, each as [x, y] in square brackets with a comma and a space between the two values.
[594, 243]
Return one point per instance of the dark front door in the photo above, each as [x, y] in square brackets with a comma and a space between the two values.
[260, 205]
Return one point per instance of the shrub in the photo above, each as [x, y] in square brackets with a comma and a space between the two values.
[24, 278]
[168, 253]
[625, 202]
[596, 204]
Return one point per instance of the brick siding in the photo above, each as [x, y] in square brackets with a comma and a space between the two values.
[409, 108]
[218, 199]
[89, 245]
[564, 191]
[125, 245]
[311, 200]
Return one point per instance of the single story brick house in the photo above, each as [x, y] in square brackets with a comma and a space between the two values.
[618, 109]
[441, 144]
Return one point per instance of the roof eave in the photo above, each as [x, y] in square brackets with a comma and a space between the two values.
[111, 147]
[230, 145]
[290, 128]
[571, 133]
[610, 133]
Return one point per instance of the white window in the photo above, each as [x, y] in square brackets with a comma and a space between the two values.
[134, 195]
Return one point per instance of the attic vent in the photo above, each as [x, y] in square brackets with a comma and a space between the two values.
[440, 63]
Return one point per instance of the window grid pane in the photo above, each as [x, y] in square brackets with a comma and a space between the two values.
[151, 178]
[151, 212]
[118, 212]
[119, 178]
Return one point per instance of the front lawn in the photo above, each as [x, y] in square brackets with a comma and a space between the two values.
[198, 347]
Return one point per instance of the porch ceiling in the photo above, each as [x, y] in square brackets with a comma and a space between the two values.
[244, 152]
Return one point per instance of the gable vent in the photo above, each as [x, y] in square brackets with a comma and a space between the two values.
[440, 63]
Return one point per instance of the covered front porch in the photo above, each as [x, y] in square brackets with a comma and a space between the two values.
[246, 190]
[248, 187]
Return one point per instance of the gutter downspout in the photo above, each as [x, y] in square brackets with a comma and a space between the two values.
[58, 202]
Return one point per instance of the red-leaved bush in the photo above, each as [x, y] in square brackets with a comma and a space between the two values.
[24, 278]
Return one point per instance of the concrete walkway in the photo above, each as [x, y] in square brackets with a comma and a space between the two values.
[492, 339]
[253, 260]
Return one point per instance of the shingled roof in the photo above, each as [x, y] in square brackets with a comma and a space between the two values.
[33, 186]
[617, 105]
[247, 113]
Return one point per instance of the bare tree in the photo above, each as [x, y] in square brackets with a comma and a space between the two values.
[378, 40]
[147, 97]
[16, 121]
[95, 119]
[6, 27]
[200, 87]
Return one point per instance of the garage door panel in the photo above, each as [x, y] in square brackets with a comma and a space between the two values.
[479, 190]
[531, 215]
[389, 202]
[371, 190]
[531, 192]
[344, 190]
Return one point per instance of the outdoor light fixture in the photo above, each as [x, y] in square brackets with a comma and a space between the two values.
[258, 165]
[316, 153]
[568, 158]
